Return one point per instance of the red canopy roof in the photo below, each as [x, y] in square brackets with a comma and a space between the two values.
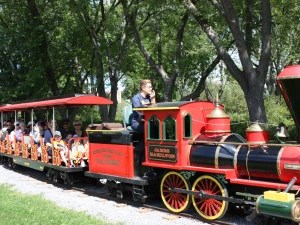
[69, 101]
[289, 72]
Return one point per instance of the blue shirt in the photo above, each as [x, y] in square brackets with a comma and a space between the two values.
[139, 101]
[47, 136]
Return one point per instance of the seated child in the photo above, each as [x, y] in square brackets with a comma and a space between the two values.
[58, 143]
[78, 152]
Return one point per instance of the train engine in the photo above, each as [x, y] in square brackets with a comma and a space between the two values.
[195, 158]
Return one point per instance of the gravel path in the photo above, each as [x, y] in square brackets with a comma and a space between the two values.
[95, 206]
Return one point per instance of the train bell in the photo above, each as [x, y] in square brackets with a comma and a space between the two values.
[282, 133]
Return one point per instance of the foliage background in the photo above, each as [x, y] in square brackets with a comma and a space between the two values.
[50, 48]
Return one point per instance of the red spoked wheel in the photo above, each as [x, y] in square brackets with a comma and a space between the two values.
[209, 208]
[174, 201]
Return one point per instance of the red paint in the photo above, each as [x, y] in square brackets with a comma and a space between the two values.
[264, 184]
[289, 72]
[217, 126]
[76, 100]
[289, 165]
[111, 159]
[257, 137]
[198, 112]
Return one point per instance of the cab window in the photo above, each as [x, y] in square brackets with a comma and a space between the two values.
[169, 128]
[187, 126]
[153, 128]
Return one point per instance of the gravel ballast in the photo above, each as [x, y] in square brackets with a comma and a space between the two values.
[99, 207]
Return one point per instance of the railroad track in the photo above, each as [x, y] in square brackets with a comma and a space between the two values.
[150, 205]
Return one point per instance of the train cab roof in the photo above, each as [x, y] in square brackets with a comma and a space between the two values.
[174, 105]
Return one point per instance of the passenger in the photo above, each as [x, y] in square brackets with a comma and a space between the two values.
[20, 132]
[144, 98]
[48, 135]
[78, 152]
[7, 128]
[13, 132]
[59, 144]
[3, 130]
[68, 138]
[38, 133]
[30, 127]
[78, 129]
[66, 129]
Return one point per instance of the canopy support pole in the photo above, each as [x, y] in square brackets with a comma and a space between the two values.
[32, 121]
[1, 120]
[53, 120]
[15, 116]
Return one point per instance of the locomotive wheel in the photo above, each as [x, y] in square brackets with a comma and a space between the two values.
[174, 201]
[208, 208]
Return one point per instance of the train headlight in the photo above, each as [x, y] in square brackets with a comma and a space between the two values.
[296, 211]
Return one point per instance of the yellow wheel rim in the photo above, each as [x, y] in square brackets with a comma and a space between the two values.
[175, 202]
[210, 209]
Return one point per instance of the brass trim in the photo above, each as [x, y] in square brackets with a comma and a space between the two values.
[256, 204]
[246, 143]
[235, 158]
[257, 143]
[218, 131]
[278, 161]
[217, 113]
[217, 156]
[248, 152]
[218, 152]
[256, 127]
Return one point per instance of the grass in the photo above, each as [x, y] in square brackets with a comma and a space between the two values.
[21, 209]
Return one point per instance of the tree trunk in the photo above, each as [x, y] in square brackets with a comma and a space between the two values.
[43, 47]
[250, 78]
[113, 96]
[100, 86]
[255, 102]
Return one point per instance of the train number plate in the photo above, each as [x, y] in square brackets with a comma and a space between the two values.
[162, 153]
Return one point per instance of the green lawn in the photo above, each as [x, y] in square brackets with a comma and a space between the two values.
[19, 209]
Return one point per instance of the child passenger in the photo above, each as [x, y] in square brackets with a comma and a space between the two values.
[78, 151]
[58, 143]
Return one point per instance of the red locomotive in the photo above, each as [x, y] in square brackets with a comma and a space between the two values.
[195, 158]
[189, 151]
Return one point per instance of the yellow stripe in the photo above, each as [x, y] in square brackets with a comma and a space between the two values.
[155, 108]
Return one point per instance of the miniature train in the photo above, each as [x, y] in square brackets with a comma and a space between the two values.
[189, 154]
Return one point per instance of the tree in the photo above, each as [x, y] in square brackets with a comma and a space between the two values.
[107, 31]
[251, 74]
[159, 32]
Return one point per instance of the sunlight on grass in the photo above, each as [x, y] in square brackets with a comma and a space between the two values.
[21, 209]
